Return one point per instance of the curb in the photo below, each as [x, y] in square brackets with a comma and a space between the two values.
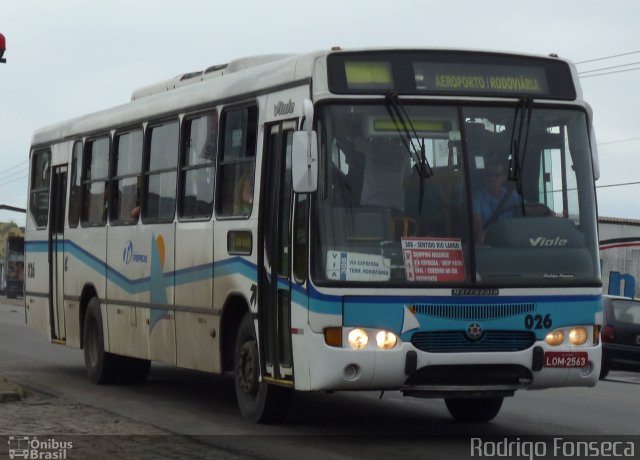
[9, 392]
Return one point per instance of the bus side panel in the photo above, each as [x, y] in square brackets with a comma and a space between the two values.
[85, 265]
[72, 323]
[197, 342]
[302, 353]
[161, 265]
[234, 274]
[129, 261]
[37, 279]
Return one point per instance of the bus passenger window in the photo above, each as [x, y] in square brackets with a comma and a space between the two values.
[75, 190]
[237, 163]
[126, 183]
[95, 179]
[39, 199]
[160, 186]
[198, 156]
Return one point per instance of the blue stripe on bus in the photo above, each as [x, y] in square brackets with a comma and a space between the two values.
[235, 265]
[310, 298]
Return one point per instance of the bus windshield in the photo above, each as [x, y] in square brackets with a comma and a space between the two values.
[491, 196]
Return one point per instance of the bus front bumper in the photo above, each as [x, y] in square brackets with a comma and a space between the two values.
[426, 374]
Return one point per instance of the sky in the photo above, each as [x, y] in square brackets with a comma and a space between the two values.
[67, 58]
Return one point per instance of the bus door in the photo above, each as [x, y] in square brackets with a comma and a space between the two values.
[56, 252]
[275, 280]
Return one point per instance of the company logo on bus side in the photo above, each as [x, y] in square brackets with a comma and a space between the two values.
[283, 108]
[547, 242]
[129, 255]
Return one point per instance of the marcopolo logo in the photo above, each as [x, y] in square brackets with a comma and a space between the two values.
[34, 448]
[129, 255]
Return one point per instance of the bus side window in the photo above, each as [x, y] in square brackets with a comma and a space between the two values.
[39, 200]
[197, 170]
[75, 190]
[160, 184]
[126, 183]
[237, 162]
[94, 184]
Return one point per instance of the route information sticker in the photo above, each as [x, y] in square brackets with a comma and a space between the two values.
[352, 266]
[439, 260]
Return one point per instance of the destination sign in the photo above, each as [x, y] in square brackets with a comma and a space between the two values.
[480, 78]
[450, 73]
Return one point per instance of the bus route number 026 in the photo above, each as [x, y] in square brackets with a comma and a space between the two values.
[538, 321]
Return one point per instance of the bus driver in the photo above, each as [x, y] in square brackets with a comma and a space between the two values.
[496, 201]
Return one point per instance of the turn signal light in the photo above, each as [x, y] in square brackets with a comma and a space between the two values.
[333, 336]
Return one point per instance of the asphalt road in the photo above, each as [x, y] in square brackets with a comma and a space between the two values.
[340, 425]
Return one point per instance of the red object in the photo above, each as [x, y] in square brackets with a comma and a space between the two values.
[3, 47]
[566, 359]
[608, 333]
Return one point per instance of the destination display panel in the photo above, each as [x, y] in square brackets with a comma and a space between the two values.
[450, 73]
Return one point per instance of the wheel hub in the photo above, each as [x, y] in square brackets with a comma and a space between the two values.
[247, 368]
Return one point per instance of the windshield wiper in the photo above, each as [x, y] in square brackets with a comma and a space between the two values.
[402, 122]
[519, 141]
[399, 116]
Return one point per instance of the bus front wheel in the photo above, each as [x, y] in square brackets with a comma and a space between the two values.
[259, 402]
[102, 367]
[473, 409]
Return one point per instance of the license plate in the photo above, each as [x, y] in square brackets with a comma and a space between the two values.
[566, 359]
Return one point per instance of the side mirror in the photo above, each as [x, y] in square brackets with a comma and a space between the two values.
[304, 161]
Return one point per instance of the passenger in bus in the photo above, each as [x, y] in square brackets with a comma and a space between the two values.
[496, 201]
[244, 195]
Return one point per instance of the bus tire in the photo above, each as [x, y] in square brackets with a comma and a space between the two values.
[473, 409]
[259, 402]
[101, 366]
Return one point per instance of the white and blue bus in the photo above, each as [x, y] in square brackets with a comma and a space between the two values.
[396, 219]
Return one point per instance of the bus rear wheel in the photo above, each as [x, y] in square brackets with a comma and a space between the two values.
[102, 367]
[259, 402]
[473, 409]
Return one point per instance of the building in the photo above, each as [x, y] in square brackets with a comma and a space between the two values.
[6, 229]
[620, 255]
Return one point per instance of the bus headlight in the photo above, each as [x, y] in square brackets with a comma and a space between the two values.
[555, 338]
[358, 339]
[386, 340]
[578, 335]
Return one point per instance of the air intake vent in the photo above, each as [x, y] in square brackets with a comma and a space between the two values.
[458, 342]
[475, 312]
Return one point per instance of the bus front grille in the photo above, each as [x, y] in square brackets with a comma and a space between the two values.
[474, 312]
[458, 342]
